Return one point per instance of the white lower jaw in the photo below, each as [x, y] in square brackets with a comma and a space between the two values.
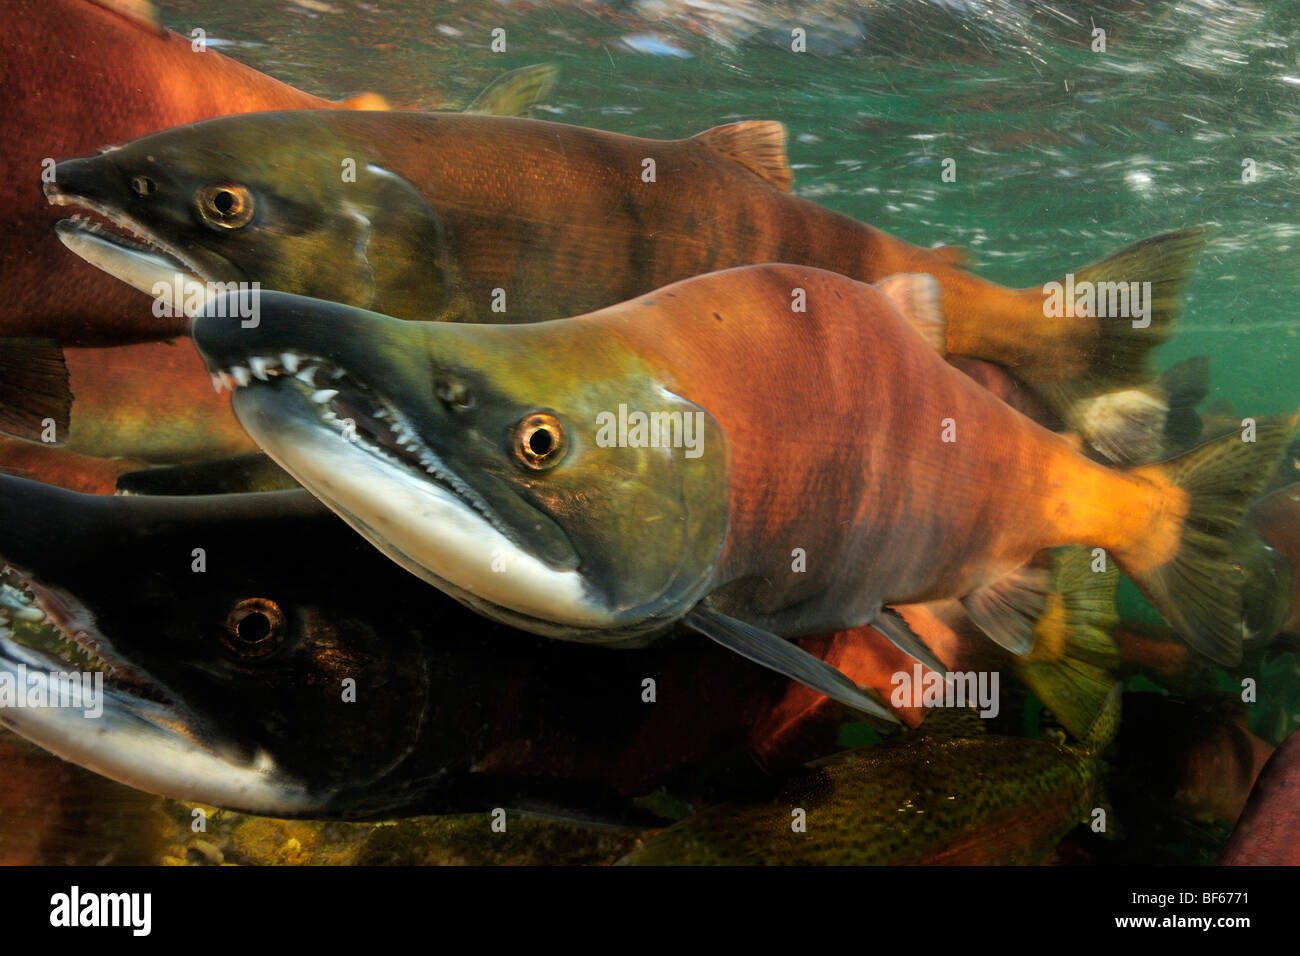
[421, 525]
[138, 268]
[135, 742]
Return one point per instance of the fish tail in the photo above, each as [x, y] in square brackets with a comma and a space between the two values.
[1110, 395]
[1072, 666]
[1186, 564]
[34, 390]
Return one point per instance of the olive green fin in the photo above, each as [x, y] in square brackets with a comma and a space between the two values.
[758, 145]
[224, 476]
[1008, 609]
[1103, 730]
[1199, 590]
[1129, 426]
[34, 389]
[777, 654]
[918, 296]
[517, 92]
[895, 627]
[1074, 661]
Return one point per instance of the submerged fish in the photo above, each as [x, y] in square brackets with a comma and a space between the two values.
[228, 626]
[489, 219]
[944, 794]
[82, 75]
[805, 471]
[1268, 830]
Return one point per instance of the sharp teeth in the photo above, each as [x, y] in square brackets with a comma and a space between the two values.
[226, 380]
[324, 395]
[337, 374]
[217, 383]
[289, 361]
[29, 614]
[307, 375]
[241, 375]
[382, 413]
[258, 365]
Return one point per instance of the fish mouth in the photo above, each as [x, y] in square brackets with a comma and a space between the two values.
[359, 453]
[114, 242]
[142, 735]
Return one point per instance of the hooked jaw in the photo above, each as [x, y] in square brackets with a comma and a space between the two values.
[105, 235]
[132, 728]
[317, 409]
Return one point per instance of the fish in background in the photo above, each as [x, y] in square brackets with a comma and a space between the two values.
[225, 684]
[84, 75]
[815, 495]
[1267, 831]
[81, 76]
[947, 793]
[491, 219]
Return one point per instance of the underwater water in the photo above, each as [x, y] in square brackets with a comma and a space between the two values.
[1064, 152]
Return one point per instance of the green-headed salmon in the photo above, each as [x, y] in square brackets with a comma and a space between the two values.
[708, 454]
[494, 219]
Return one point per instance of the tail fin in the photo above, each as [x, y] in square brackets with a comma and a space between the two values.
[1117, 355]
[1199, 589]
[34, 389]
[517, 92]
[1074, 661]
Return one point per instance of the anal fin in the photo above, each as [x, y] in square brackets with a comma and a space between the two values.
[1008, 609]
[777, 654]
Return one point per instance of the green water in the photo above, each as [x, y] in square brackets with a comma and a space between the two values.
[1062, 154]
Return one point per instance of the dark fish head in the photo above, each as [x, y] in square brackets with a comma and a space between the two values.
[226, 629]
[283, 199]
[474, 456]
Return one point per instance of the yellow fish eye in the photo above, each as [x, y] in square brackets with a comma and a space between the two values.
[225, 205]
[254, 627]
[540, 442]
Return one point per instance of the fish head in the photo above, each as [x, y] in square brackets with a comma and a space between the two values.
[282, 199]
[487, 459]
[226, 630]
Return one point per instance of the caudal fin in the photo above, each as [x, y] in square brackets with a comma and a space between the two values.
[1114, 401]
[1199, 589]
[34, 392]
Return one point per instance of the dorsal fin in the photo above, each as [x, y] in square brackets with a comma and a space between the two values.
[917, 296]
[140, 12]
[758, 145]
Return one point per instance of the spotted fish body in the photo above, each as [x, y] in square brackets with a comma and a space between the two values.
[946, 794]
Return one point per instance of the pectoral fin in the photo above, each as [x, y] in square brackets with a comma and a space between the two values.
[34, 389]
[777, 654]
[891, 624]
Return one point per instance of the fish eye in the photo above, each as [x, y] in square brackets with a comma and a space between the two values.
[225, 205]
[254, 627]
[143, 186]
[540, 441]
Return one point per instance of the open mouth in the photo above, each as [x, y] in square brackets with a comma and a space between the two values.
[112, 241]
[49, 629]
[359, 415]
